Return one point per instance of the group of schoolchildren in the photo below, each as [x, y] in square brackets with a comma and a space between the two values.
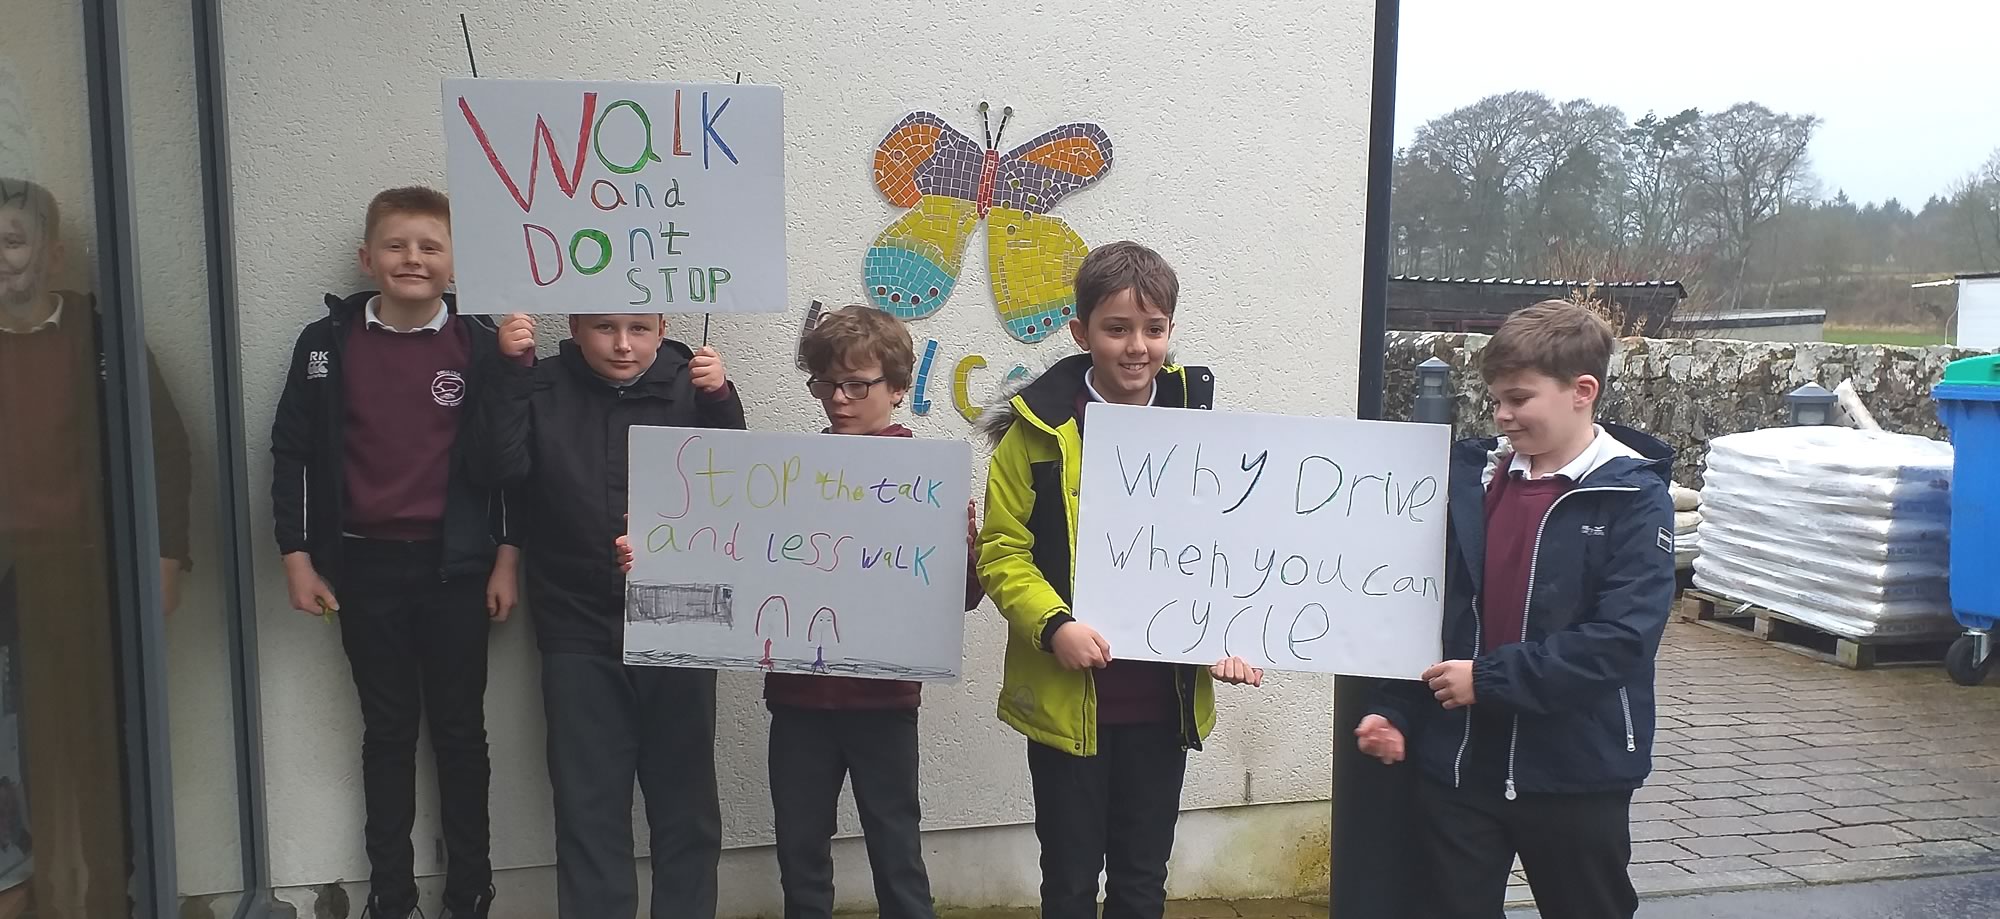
[428, 462]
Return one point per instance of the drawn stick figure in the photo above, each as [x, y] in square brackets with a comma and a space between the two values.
[766, 662]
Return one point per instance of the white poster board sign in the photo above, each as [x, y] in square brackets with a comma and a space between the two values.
[1311, 544]
[797, 553]
[592, 197]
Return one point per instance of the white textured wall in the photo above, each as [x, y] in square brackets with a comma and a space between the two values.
[1239, 133]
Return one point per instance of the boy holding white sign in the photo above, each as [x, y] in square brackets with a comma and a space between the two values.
[1107, 739]
[827, 729]
[559, 433]
[1533, 734]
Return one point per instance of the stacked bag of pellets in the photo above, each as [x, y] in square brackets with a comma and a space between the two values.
[1687, 526]
[1844, 530]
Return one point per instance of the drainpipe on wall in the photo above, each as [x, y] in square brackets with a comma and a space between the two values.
[1373, 859]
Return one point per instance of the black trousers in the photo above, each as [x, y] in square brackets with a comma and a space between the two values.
[608, 722]
[811, 753]
[417, 647]
[1574, 848]
[1113, 813]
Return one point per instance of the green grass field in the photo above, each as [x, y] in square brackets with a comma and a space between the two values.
[1848, 335]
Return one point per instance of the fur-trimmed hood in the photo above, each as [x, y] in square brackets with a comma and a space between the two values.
[1051, 394]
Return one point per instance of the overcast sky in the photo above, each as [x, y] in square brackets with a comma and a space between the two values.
[1909, 90]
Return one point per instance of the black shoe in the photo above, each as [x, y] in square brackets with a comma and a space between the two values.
[480, 906]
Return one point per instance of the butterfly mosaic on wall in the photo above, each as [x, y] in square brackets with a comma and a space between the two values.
[950, 184]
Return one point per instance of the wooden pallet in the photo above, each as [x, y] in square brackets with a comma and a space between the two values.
[1786, 633]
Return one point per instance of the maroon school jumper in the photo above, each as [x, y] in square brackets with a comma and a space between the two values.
[847, 693]
[404, 394]
[1515, 507]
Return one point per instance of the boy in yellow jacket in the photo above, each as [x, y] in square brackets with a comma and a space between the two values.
[1108, 739]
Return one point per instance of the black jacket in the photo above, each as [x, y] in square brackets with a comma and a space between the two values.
[308, 451]
[556, 437]
[1570, 709]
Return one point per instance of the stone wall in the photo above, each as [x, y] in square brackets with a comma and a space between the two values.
[1687, 391]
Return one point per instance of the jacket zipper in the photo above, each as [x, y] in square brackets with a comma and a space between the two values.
[1188, 725]
[471, 371]
[1625, 704]
[334, 430]
[1527, 607]
[1089, 680]
[1458, 764]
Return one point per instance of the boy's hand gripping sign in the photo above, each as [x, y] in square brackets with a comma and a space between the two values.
[797, 553]
[1296, 543]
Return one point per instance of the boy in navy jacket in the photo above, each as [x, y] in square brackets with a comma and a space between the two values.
[1535, 730]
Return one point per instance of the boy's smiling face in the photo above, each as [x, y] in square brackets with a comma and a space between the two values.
[1127, 340]
[409, 257]
[26, 256]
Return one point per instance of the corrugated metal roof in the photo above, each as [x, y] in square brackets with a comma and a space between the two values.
[1544, 282]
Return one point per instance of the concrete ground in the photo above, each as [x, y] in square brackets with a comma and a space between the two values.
[1185, 909]
[1774, 770]
[1961, 896]
[1771, 768]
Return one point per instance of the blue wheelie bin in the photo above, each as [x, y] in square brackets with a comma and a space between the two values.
[1968, 402]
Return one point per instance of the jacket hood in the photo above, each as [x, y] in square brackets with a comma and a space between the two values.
[1645, 459]
[658, 379]
[1051, 395]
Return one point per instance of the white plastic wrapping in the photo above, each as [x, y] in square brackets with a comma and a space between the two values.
[1845, 530]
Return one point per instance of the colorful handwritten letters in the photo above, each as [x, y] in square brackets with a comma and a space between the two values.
[797, 553]
[1311, 544]
[591, 197]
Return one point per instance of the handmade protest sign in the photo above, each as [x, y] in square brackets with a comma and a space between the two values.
[596, 197]
[1296, 543]
[797, 553]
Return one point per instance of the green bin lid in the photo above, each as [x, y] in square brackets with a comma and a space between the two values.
[1974, 371]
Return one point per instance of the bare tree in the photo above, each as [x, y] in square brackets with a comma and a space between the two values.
[1750, 163]
[1493, 146]
[1655, 180]
[1565, 198]
[1977, 199]
[1427, 215]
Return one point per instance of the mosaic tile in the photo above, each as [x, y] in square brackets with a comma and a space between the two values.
[950, 184]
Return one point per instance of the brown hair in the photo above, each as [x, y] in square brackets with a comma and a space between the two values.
[1125, 265]
[1556, 338]
[855, 335]
[408, 200]
[36, 201]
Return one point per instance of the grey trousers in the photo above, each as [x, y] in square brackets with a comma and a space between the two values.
[811, 753]
[608, 722]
